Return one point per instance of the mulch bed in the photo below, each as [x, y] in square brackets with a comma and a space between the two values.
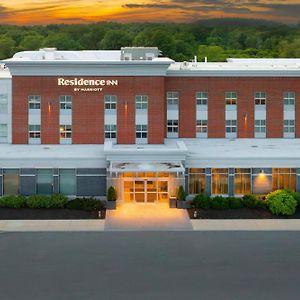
[48, 214]
[241, 213]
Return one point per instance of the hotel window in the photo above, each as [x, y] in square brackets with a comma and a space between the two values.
[202, 98]
[44, 181]
[230, 98]
[260, 126]
[220, 181]
[110, 131]
[67, 182]
[3, 131]
[231, 126]
[34, 131]
[201, 126]
[141, 102]
[110, 102]
[196, 180]
[260, 98]
[242, 181]
[172, 126]
[65, 131]
[289, 98]
[3, 103]
[289, 126]
[172, 98]
[284, 179]
[11, 182]
[34, 102]
[65, 102]
[141, 131]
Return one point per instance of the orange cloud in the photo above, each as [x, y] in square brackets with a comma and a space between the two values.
[84, 11]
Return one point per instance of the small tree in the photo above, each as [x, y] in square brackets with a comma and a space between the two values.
[180, 193]
[111, 194]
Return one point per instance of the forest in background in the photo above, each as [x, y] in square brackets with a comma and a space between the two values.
[215, 40]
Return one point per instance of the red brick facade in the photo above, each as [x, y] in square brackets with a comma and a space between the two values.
[88, 107]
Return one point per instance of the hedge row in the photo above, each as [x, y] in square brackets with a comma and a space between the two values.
[280, 202]
[54, 201]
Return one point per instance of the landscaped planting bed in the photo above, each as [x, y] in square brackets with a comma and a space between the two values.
[280, 204]
[55, 207]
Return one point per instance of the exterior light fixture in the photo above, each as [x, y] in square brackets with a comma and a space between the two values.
[126, 106]
[262, 171]
[49, 107]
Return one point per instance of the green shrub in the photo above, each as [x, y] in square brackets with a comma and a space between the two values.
[201, 201]
[249, 201]
[58, 201]
[219, 202]
[180, 193]
[38, 201]
[12, 201]
[296, 195]
[235, 202]
[43, 201]
[111, 194]
[260, 203]
[281, 202]
[88, 204]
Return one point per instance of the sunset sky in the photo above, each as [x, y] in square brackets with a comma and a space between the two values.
[84, 11]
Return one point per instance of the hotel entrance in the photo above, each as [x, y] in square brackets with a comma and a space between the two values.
[146, 189]
[145, 182]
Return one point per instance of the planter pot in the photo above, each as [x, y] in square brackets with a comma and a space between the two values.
[111, 204]
[172, 202]
[179, 204]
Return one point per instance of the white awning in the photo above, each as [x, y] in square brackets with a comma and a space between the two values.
[170, 167]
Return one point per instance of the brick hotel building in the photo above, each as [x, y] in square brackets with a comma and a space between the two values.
[76, 122]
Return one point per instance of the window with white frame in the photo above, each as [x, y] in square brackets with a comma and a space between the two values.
[289, 126]
[3, 131]
[201, 126]
[3, 103]
[260, 126]
[34, 102]
[110, 102]
[289, 98]
[172, 98]
[110, 131]
[231, 98]
[141, 102]
[34, 131]
[202, 98]
[231, 126]
[65, 131]
[260, 98]
[141, 131]
[65, 102]
[172, 126]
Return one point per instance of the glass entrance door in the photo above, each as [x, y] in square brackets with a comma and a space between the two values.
[145, 190]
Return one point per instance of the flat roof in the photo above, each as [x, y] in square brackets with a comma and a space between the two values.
[200, 153]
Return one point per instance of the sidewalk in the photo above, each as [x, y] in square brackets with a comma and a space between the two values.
[247, 225]
[51, 225]
[197, 225]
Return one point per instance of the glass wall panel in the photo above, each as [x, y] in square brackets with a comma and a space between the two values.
[196, 181]
[220, 181]
[11, 182]
[67, 182]
[242, 181]
[44, 181]
[284, 178]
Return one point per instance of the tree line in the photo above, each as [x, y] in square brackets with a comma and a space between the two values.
[180, 42]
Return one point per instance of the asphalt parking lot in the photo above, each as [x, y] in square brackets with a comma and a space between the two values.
[149, 265]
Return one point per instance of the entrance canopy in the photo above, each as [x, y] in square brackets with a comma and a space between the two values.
[170, 167]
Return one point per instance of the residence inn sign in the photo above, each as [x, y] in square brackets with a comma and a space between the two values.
[87, 85]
